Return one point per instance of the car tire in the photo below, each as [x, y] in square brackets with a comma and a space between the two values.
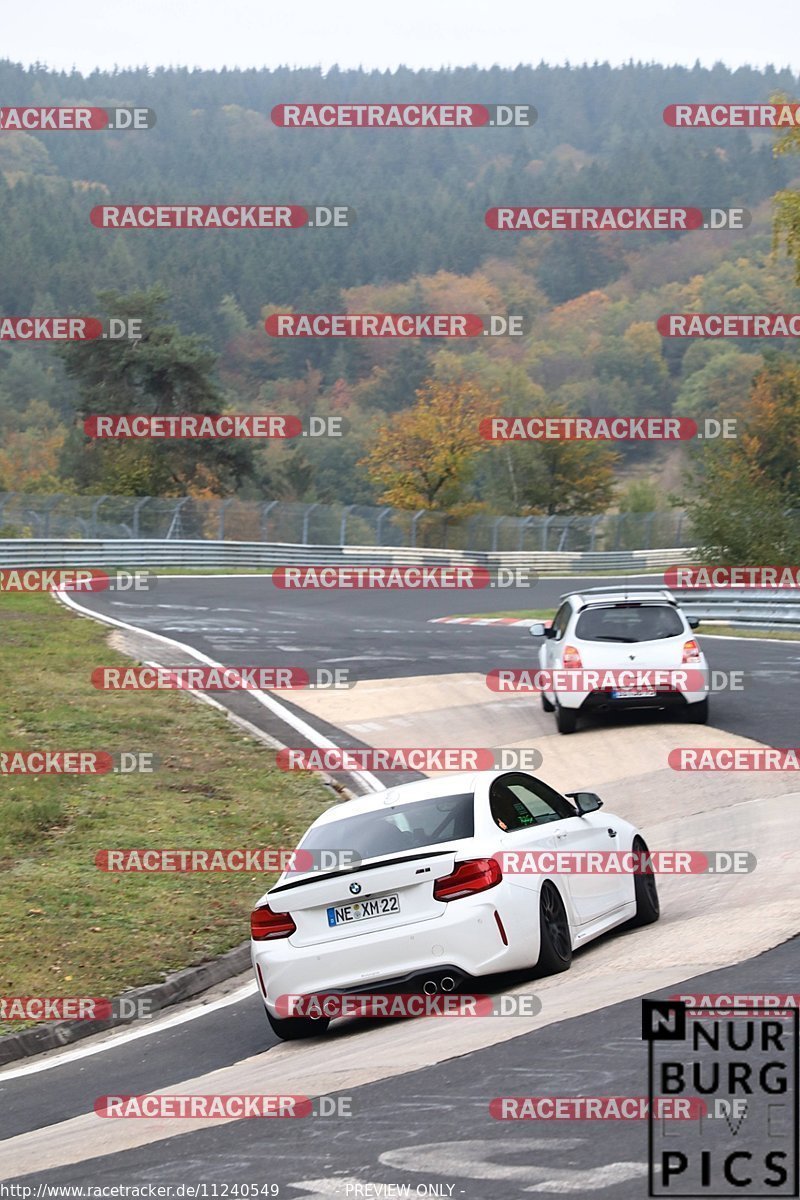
[555, 943]
[697, 714]
[566, 719]
[648, 907]
[291, 1029]
[547, 705]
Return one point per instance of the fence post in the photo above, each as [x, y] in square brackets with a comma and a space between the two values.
[34, 516]
[309, 509]
[343, 526]
[48, 508]
[95, 507]
[175, 523]
[593, 531]
[414, 520]
[379, 525]
[224, 505]
[137, 508]
[546, 529]
[266, 509]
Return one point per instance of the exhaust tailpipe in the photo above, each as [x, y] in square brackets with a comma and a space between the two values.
[448, 983]
[430, 987]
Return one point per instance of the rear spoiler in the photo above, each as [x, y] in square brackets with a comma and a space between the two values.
[652, 591]
[312, 876]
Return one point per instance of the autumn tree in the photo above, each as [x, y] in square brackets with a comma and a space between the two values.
[424, 456]
[29, 459]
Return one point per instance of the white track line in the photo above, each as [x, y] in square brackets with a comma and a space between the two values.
[370, 782]
[131, 1035]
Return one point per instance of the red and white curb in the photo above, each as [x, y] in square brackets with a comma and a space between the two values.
[525, 622]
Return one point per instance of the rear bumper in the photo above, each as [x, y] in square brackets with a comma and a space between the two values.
[599, 702]
[603, 700]
[463, 941]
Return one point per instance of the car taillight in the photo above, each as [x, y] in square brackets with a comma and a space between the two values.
[571, 659]
[266, 924]
[477, 875]
[691, 651]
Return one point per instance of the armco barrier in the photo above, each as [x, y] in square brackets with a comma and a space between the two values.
[736, 605]
[126, 552]
[767, 606]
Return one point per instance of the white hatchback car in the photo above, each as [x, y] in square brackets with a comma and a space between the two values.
[432, 902]
[614, 634]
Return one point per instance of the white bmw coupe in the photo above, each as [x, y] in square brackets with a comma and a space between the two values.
[432, 902]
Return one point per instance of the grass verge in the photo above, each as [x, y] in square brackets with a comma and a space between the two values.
[67, 928]
[773, 635]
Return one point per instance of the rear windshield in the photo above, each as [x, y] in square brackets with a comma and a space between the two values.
[393, 830]
[629, 623]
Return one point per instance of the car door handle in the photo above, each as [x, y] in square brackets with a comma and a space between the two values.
[560, 836]
[612, 832]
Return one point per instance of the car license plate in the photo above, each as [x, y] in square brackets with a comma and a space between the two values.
[362, 910]
[632, 693]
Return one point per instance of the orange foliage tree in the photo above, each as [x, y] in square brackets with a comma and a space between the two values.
[424, 455]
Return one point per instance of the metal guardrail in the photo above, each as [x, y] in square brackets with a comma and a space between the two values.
[125, 552]
[743, 606]
[768, 606]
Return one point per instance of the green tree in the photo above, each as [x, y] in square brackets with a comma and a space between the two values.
[746, 506]
[786, 225]
[163, 373]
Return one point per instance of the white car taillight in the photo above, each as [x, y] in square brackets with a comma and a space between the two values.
[571, 659]
[691, 652]
[476, 875]
[265, 925]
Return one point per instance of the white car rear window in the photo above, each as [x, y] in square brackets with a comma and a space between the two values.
[629, 623]
[393, 830]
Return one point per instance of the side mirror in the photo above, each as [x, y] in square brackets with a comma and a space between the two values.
[693, 622]
[537, 629]
[585, 802]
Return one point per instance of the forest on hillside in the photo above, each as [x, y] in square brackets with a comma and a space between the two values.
[589, 301]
